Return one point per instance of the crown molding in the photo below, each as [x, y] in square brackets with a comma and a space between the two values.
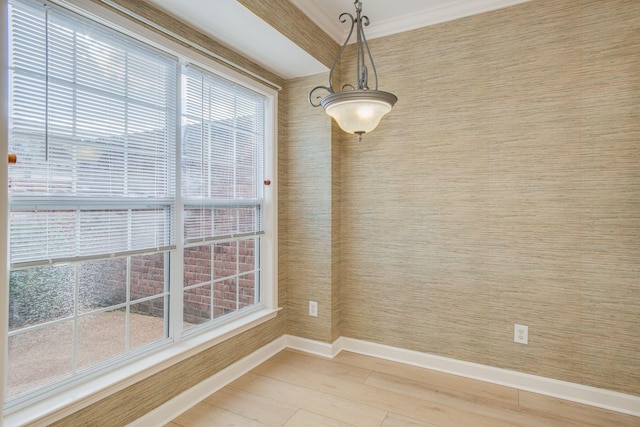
[430, 16]
[436, 15]
[323, 19]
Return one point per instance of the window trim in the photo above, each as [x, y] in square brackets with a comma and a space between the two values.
[54, 406]
[4, 192]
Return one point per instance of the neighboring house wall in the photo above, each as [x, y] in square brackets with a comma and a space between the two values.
[148, 278]
[503, 188]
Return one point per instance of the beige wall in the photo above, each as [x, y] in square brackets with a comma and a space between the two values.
[503, 188]
[311, 233]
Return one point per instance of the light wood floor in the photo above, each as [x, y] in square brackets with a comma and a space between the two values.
[296, 389]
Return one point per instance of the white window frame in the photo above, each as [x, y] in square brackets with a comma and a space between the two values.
[54, 406]
[4, 194]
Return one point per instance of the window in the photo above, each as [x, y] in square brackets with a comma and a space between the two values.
[139, 183]
[222, 158]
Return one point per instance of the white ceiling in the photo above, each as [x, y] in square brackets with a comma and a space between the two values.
[235, 26]
[230, 23]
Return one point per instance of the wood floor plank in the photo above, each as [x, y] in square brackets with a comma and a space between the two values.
[396, 420]
[453, 393]
[581, 413]
[295, 389]
[321, 365]
[375, 397]
[511, 414]
[258, 408]
[332, 406]
[205, 415]
[308, 419]
[439, 380]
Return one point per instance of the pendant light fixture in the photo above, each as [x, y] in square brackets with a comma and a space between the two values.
[356, 108]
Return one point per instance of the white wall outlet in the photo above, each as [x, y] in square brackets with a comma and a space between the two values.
[313, 308]
[521, 334]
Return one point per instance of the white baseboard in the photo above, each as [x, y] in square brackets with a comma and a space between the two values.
[579, 393]
[592, 396]
[318, 348]
[179, 404]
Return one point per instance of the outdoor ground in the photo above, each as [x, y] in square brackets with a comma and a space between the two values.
[43, 355]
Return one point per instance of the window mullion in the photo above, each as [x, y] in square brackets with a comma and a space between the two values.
[127, 155]
[46, 85]
[208, 179]
[127, 326]
[176, 257]
[76, 310]
[212, 293]
[74, 109]
[234, 158]
[237, 278]
[204, 133]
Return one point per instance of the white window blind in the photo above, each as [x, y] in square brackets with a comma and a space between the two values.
[93, 123]
[222, 158]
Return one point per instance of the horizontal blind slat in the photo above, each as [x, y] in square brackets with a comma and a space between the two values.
[222, 166]
[93, 122]
[55, 261]
[222, 239]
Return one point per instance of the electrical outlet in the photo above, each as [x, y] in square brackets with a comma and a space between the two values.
[313, 308]
[521, 334]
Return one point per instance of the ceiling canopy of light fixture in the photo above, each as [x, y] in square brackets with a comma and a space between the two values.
[356, 108]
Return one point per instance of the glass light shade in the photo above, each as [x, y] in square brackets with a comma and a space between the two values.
[358, 111]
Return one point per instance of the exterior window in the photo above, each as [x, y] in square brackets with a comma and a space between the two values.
[222, 158]
[131, 167]
[70, 317]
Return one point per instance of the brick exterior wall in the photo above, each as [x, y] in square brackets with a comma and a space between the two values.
[233, 266]
[232, 271]
[103, 283]
[147, 279]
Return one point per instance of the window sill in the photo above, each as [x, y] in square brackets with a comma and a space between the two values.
[48, 410]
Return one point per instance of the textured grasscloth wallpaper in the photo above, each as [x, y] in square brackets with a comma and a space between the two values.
[310, 232]
[503, 188]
